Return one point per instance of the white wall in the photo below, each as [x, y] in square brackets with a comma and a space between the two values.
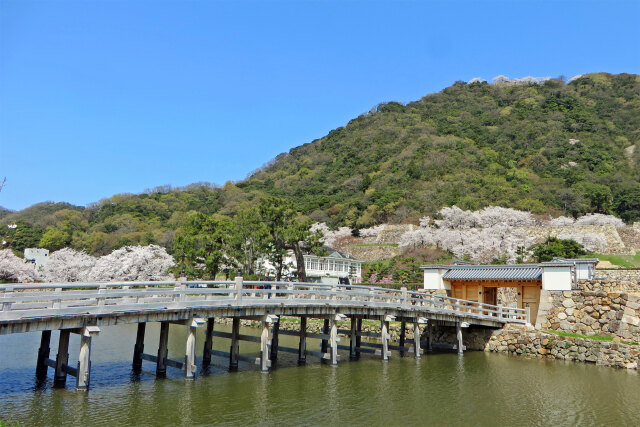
[433, 279]
[556, 278]
[584, 271]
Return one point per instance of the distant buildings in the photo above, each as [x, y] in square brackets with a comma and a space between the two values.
[335, 268]
[38, 256]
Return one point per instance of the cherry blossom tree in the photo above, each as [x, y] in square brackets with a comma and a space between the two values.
[329, 237]
[14, 269]
[561, 221]
[600, 219]
[372, 231]
[68, 265]
[134, 263]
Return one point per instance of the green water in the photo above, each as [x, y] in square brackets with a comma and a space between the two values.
[440, 388]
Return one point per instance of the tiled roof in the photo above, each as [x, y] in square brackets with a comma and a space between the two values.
[495, 272]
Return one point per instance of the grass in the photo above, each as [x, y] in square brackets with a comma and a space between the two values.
[589, 337]
[627, 261]
[366, 245]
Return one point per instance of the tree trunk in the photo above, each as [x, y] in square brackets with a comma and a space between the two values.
[302, 272]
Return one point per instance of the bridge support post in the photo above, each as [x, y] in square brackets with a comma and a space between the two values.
[273, 356]
[430, 327]
[417, 351]
[459, 336]
[358, 337]
[266, 342]
[84, 358]
[60, 376]
[403, 326]
[138, 349]
[190, 353]
[333, 341]
[384, 337]
[163, 351]
[208, 343]
[43, 355]
[302, 347]
[352, 339]
[325, 330]
[234, 350]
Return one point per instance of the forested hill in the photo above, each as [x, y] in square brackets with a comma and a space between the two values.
[548, 148]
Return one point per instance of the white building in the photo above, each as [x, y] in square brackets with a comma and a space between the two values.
[480, 283]
[334, 268]
[37, 256]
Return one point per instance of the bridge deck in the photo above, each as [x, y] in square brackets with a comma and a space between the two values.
[40, 307]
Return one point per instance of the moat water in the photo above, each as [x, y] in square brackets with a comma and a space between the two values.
[441, 389]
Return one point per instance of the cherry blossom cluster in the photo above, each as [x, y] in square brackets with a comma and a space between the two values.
[131, 263]
[15, 269]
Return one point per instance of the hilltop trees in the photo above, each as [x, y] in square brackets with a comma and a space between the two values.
[542, 146]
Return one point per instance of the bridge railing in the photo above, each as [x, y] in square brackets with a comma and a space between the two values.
[46, 299]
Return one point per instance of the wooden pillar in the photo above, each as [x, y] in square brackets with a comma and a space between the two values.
[403, 326]
[384, 337]
[138, 349]
[325, 330]
[430, 327]
[84, 358]
[43, 356]
[60, 376]
[358, 337]
[235, 345]
[163, 350]
[459, 336]
[273, 356]
[417, 351]
[208, 343]
[333, 341]
[353, 338]
[302, 347]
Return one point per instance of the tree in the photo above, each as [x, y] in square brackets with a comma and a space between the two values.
[134, 263]
[54, 239]
[554, 247]
[14, 269]
[288, 229]
[68, 265]
[202, 246]
[247, 240]
[627, 205]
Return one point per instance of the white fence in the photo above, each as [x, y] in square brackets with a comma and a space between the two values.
[36, 300]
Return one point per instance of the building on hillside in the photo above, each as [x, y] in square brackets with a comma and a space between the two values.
[335, 268]
[480, 283]
[38, 256]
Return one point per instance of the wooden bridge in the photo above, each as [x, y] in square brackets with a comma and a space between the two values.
[84, 308]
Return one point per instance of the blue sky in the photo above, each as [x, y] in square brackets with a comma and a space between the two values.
[106, 97]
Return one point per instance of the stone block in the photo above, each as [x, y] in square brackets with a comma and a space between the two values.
[568, 303]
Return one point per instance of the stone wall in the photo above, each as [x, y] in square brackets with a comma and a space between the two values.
[619, 274]
[519, 341]
[592, 313]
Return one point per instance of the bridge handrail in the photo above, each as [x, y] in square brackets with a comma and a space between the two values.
[154, 291]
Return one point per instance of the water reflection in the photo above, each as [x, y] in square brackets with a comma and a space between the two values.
[440, 388]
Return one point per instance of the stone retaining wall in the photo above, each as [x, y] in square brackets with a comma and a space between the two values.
[618, 274]
[593, 313]
[519, 341]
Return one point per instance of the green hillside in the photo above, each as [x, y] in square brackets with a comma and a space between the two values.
[474, 145]
[548, 148]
